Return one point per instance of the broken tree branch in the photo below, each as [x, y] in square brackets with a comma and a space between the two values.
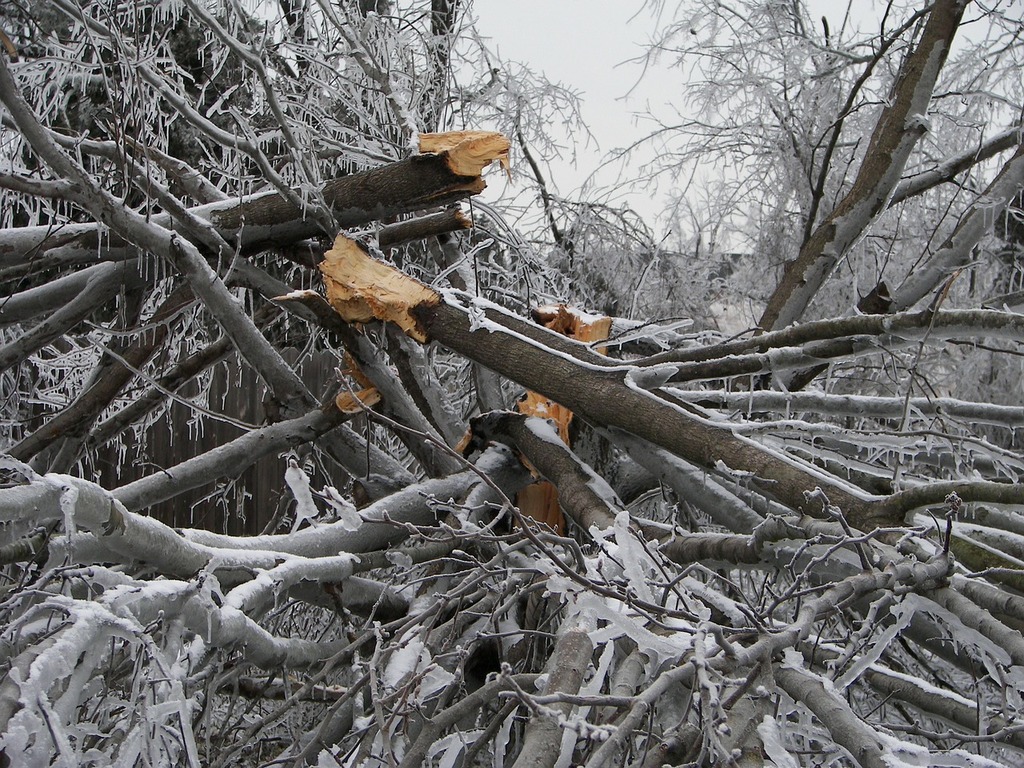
[361, 289]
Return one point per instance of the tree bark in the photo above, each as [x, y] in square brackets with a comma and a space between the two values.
[566, 669]
[432, 180]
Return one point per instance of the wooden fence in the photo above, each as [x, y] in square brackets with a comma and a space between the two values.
[238, 506]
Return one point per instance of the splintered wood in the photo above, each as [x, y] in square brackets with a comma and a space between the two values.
[362, 289]
[540, 500]
[356, 401]
[468, 152]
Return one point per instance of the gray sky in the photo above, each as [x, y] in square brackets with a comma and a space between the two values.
[592, 47]
[585, 46]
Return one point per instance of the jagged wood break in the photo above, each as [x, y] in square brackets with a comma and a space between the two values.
[362, 289]
[467, 153]
[540, 500]
[348, 270]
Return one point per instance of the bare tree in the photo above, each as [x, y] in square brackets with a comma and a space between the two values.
[263, 493]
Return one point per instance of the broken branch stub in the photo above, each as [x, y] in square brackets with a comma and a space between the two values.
[357, 402]
[540, 500]
[467, 152]
[362, 289]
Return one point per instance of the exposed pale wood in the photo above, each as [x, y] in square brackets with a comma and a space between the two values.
[540, 500]
[354, 402]
[8, 46]
[573, 323]
[467, 152]
[372, 374]
[362, 289]
[352, 369]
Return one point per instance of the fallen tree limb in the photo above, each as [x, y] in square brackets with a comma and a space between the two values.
[433, 224]
[176, 376]
[857, 405]
[583, 495]
[849, 730]
[906, 326]
[433, 179]
[588, 500]
[24, 305]
[379, 529]
[99, 527]
[361, 289]
[541, 500]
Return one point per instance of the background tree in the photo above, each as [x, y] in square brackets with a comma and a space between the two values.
[258, 512]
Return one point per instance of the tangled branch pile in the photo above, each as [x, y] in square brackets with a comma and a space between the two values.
[263, 497]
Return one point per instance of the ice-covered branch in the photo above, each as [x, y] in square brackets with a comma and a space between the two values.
[230, 459]
[949, 169]
[100, 287]
[75, 420]
[857, 405]
[957, 250]
[565, 672]
[896, 134]
[849, 730]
